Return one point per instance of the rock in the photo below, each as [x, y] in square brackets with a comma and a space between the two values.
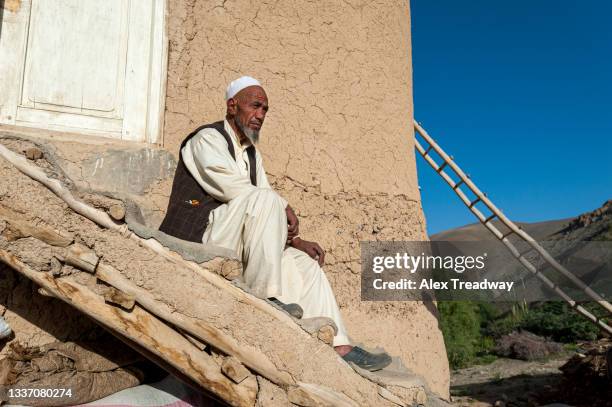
[231, 269]
[588, 376]
[525, 346]
[55, 267]
[326, 334]
[321, 327]
[33, 153]
[588, 218]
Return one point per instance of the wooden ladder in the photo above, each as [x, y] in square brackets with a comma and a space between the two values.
[486, 220]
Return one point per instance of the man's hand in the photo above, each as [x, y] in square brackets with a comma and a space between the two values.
[293, 224]
[310, 248]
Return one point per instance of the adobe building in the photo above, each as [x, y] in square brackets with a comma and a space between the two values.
[111, 88]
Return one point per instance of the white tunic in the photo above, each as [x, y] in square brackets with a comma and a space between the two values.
[253, 223]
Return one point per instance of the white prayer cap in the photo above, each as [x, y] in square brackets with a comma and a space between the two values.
[236, 86]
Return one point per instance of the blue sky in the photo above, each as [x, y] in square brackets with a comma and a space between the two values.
[520, 93]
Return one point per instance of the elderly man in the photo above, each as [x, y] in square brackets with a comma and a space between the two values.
[221, 196]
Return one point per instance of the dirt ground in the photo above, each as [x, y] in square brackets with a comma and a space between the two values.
[508, 382]
[582, 378]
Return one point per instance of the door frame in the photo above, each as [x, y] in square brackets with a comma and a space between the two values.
[158, 76]
[151, 130]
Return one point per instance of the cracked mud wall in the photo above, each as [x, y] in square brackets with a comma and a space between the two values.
[337, 142]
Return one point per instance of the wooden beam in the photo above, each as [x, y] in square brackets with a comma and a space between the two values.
[252, 358]
[22, 229]
[81, 257]
[145, 330]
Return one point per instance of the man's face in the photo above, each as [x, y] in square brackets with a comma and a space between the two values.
[249, 108]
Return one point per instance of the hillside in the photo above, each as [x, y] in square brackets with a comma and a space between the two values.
[587, 226]
[579, 243]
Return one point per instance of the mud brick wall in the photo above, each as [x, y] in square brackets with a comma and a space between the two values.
[337, 142]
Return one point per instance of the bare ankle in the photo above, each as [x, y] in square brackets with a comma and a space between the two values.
[343, 349]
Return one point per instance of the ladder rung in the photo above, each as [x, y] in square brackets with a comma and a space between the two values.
[474, 202]
[489, 218]
[427, 151]
[444, 164]
[507, 234]
[531, 249]
[458, 184]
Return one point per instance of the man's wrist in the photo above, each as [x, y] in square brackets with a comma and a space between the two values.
[295, 240]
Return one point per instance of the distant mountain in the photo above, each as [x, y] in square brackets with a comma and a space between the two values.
[593, 225]
[477, 231]
[581, 244]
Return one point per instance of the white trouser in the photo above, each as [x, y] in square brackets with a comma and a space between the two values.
[254, 225]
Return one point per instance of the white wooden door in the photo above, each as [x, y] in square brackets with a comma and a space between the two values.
[87, 66]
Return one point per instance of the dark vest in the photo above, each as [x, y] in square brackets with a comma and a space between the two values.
[190, 205]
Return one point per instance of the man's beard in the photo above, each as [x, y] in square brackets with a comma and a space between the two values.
[252, 135]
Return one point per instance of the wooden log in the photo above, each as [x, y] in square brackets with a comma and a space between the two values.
[311, 395]
[117, 212]
[300, 397]
[81, 257]
[249, 383]
[12, 233]
[386, 394]
[19, 228]
[145, 330]
[36, 173]
[194, 341]
[252, 358]
[232, 368]
[118, 297]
